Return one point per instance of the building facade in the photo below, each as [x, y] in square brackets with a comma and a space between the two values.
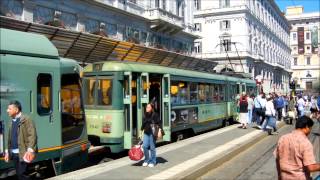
[162, 24]
[304, 42]
[249, 36]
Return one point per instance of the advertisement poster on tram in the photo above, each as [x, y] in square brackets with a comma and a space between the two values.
[184, 116]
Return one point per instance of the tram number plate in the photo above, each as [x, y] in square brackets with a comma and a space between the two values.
[94, 126]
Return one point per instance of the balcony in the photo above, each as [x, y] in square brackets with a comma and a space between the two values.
[164, 22]
[222, 55]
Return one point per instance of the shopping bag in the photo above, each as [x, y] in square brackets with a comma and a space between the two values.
[292, 114]
[136, 153]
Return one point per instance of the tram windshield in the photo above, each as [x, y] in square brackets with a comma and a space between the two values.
[98, 92]
[71, 107]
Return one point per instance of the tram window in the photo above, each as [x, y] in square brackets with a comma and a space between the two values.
[222, 92]
[134, 92]
[232, 92]
[166, 90]
[207, 93]
[183, 93]
[216, 97]
[238, 88]
[126, 88]
[72, 108]
[89, 88]
[202, 94]
[211, 92]
[250, 91]
[104, 92]
[193, 93]
[243, 88]
[144, 86]
[174, 92]
[44, 94]
[179, 92]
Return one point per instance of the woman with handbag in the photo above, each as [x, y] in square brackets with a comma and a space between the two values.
[150, 127]
[270, 116]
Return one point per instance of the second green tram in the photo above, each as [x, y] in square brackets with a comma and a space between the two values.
[116, 93]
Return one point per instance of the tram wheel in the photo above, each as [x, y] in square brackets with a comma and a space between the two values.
[104, 160]
[180, 137]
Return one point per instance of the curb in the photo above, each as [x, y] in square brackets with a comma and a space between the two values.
[215, 162]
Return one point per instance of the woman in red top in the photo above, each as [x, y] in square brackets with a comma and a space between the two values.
[243, 107]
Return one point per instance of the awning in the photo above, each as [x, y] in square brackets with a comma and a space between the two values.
[90, 48]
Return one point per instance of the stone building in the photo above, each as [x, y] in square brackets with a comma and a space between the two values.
[249, 36]
[304, 42]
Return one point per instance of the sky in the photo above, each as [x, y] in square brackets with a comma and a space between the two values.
[308, 5]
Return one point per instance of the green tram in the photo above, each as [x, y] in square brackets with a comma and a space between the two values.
[49, 89]
[115, 94]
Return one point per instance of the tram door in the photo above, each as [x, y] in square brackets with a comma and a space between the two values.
[166, 107]
[127, 95]
[143, 100]
[159, 89]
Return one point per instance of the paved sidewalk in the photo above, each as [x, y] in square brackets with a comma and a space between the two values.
[189, 158]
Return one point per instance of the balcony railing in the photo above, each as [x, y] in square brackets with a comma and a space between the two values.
[160, 14]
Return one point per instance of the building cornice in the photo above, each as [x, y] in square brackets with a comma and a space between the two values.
[220, 11]
[304, 16]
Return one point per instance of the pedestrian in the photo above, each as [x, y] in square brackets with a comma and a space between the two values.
[243, 110]
[263, 103]
[150, 126]
[279, 105]
[301, 105]
[294, 153]
[259, 106]
[22, 140]
[270, 116]
[250, 108]
[314, 107]
[286, 104]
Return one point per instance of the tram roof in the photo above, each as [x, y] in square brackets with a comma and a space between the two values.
[17, 42]
[89, 48]
[115, 66]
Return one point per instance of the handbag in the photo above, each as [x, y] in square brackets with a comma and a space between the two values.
[136, 153]
[262, 111]
[160, 133]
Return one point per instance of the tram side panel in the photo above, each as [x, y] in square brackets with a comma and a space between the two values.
[33, 83]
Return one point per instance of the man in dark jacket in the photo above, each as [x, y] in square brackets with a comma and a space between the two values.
[22, 140]
[279, 105]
